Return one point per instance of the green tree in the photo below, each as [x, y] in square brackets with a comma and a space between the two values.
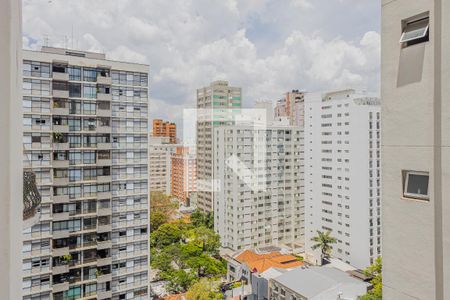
[206, 266]
[323, 241]
[205, 238]
[374, 271]
[161, 261]
[204, 289]
[157, 218]
[165, 235]
[199, 218]
[179, 280]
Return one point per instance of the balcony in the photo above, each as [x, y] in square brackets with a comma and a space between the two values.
[104, 295]
[61, 128]
[61, 199]
[60, 269]
[60, 163]
[63, 111]
[103, 112]
[104, 278]
[60, 251]
[60, 234]
[103, 146]
[61, 146]
[104, 228]
[103, 179]
[103, 162]
[104, 212]
[104, 129]
[104, 245]
[60, 76]
[104, 97]
[104, 80]
[60, 94]
[61, 216]
[104, 261]
[103, 195]
[60, 287]
[61, 181]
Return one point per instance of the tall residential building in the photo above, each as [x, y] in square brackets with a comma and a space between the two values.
[165, 128]
[184, 174]
[85, 138]
[10, 149]
[342, 171]
[160, 151]
[260, 201]
[291, 106]
[218, 101]
[416, 154]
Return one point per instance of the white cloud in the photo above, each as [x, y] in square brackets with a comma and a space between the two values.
[189, 43]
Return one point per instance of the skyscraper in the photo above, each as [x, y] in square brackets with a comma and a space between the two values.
[291, 107]
[85, 138]
[184, 174]
[342, 174]
[260, 201]
[219, 99]
[416, 153]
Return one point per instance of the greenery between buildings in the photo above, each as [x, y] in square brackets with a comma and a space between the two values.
[204, 289]
[161, 209]
[184, 253]
[374, 271]
[324, 240]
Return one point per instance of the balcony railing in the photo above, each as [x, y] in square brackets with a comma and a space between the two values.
[31, 196]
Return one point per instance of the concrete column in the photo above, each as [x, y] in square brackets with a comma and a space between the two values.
[11, 202]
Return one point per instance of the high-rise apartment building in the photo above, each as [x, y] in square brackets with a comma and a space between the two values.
[85, 138]
[160, 164]
[342, 174]
[184, 173]
[291, 106]
[416, 154]
[259, 201]
[216, 103]
[165, 128]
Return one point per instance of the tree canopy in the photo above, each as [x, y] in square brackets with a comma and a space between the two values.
[324, 240]
[375, 271]
[204, 289]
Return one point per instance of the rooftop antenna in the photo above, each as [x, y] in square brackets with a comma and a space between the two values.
[72, 36]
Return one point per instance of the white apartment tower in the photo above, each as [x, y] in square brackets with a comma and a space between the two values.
[342, 174]
[416, 149]
[160, 164]
[217, 101]
[85, 138]
[259, 202]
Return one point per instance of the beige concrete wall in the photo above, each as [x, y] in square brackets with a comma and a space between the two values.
[10, 150]
[415, 136]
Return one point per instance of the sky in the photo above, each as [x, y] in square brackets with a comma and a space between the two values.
[267, 47]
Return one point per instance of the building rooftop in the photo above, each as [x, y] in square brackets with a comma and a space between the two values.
[322, 283]
[261, 262]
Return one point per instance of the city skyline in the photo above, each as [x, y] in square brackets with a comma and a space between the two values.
[271, 47]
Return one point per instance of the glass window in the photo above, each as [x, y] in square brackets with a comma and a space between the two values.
[74, 73]
[415, 31]
[416, 185]
[89, 108]
[75, 90]
[89, 91]
[89, 75]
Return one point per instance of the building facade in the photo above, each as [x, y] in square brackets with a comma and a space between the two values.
[216, 101]
[416, 152]
[292, 107]
[184, 174]
[342, 167]
[161, 150]
[165, 128]
[259, 200]
[85, 122]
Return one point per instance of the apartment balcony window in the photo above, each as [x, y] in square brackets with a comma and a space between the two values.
[415, 185]
[75, 90]
[74, 73]
[415, 31]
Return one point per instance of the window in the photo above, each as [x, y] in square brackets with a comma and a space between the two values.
[415, 31]
[416, 185]
[75, 90]
[75, 73]
[90, 75]
[89, 91]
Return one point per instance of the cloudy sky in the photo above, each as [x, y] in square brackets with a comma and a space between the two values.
[265, 46]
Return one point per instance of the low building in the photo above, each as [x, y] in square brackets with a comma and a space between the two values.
[256, 267]
[314, 283]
